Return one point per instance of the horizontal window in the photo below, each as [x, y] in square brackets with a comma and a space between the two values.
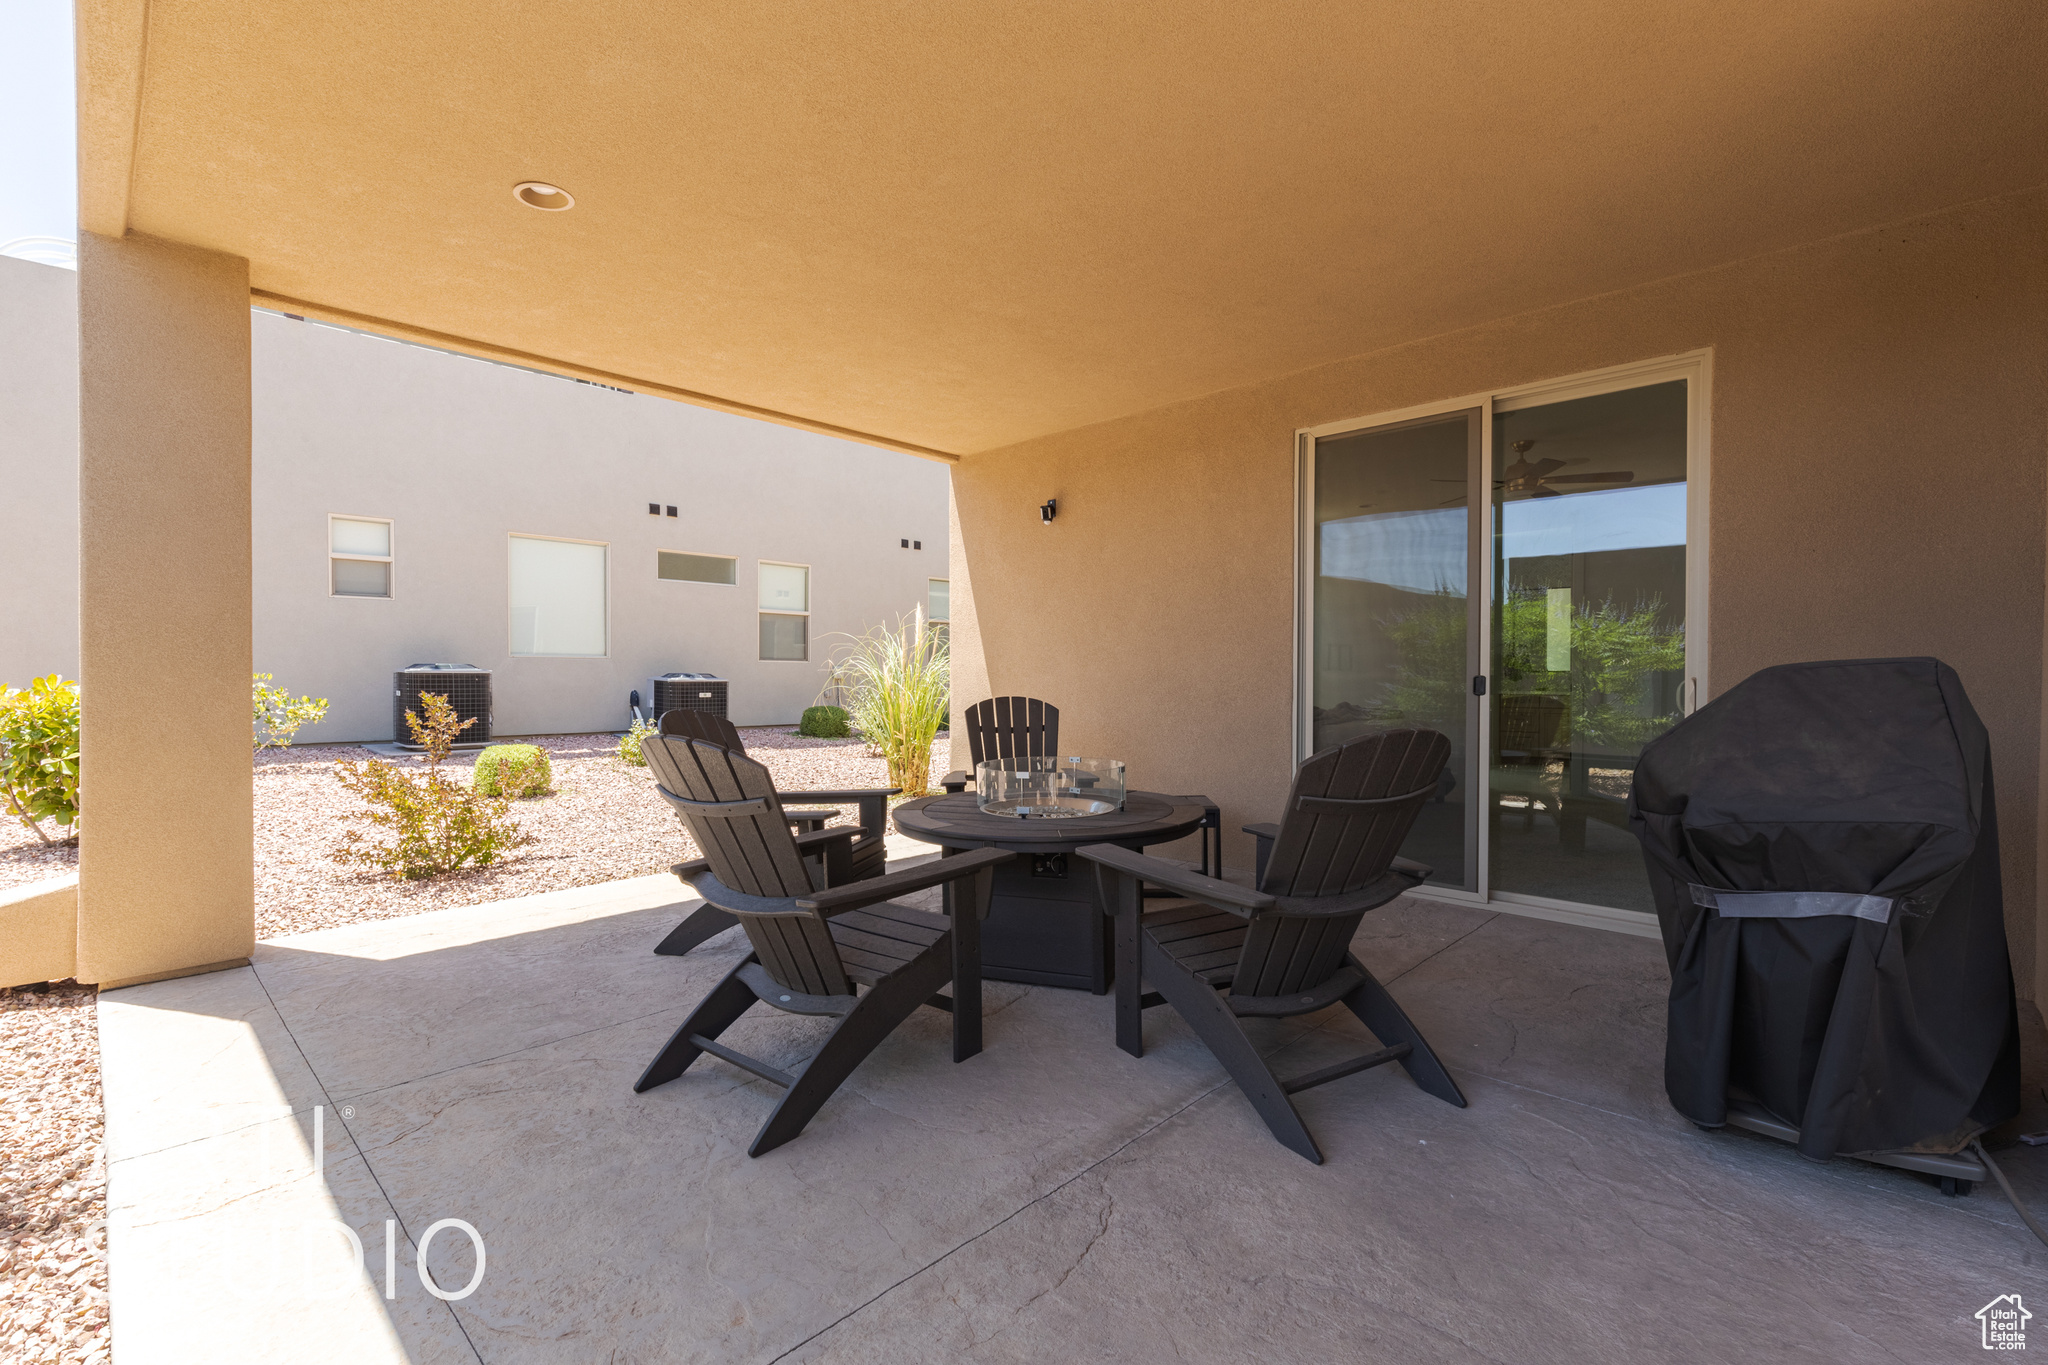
[685, 568]
[361, 577]
[557, 597]
[785, 637]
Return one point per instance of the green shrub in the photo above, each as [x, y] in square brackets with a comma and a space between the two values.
[825, 722]
[629, 743]
[39, 755]
[436, 824]
[276, 715]
[513, 770]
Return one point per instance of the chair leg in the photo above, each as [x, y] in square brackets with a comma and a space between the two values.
[1211, 1019]
[858, 1033]
[728, 1000]
[706, 921]
[1390, 1024]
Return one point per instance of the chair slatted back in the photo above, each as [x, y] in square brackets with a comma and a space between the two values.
[702, 725]
[1012, 727]
[728, 802]
[1349, 810]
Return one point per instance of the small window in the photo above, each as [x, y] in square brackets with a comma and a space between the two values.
[557, 597]
[358, 557]
[938, 609]
[785, 637]
[683, 568]
[785, 587]
[785, 611]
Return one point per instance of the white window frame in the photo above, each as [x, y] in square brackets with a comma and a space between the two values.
[698, 582]
[1697, 369]
[390, 560]
[810, 589]
[606, 546]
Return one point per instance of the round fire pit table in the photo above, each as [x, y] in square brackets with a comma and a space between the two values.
[1043, 925]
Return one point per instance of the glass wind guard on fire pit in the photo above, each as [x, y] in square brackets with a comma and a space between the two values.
[1049, 788]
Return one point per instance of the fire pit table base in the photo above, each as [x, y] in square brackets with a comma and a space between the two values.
[1044, 927]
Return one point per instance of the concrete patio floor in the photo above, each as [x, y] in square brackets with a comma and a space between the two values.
[1050, 1200]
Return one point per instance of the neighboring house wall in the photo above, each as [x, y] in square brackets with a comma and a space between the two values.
[1879, 438]
[460, 454]
[38, 471]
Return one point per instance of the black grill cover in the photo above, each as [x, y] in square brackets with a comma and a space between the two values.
[1892, 1033]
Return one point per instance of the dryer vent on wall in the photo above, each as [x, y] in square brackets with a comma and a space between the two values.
[467, 687]
[688, 692]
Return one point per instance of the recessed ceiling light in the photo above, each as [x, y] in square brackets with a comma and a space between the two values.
[537, 194]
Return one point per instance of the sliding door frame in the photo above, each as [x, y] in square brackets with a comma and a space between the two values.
[1696, 368]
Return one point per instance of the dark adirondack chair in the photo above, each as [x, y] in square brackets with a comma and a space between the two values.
[842, 951]
[1285, 947]
[1007, 727]
[867, 855]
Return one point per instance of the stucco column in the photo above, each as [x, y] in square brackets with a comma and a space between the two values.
[166, 858]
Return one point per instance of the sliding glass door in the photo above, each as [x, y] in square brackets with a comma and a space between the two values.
[1516, 571]
[1394, 565]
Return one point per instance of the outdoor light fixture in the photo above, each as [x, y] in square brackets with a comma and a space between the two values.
[536, 194]
[1050, 510]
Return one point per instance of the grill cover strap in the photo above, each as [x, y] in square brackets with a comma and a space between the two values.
[1792, 904]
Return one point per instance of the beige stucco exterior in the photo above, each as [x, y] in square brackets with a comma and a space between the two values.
[1879, 441]
[1119, 257]
[39, 931]
[955, 227]
[166, 853]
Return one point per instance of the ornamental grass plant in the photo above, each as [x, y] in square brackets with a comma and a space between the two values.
[900, 689]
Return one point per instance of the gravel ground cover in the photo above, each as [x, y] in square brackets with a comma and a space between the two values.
[599, 824]
[53, 1183]
[602, 822]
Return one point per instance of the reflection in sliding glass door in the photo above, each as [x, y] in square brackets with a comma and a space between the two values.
[1589, 649]
[1392, 631]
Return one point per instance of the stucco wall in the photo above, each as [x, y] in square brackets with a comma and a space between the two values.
[1879, 432]
[38, 471]
[461, 453]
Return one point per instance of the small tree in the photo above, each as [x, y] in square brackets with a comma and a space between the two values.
[436, 823]
[900, 691]
[39, 755]
[276, 715]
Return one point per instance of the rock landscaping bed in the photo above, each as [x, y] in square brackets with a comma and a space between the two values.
[602, 822]
[53, 1180]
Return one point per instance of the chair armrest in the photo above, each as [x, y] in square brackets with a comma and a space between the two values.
[842, 798]
[878, 889]
[1208, 890]
[808, 820]
[956, 781]
[691, 868]
[819, 837]
[1408, 867]
[1265, 832]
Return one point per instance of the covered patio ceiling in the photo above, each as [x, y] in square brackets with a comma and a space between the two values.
[950, 227]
